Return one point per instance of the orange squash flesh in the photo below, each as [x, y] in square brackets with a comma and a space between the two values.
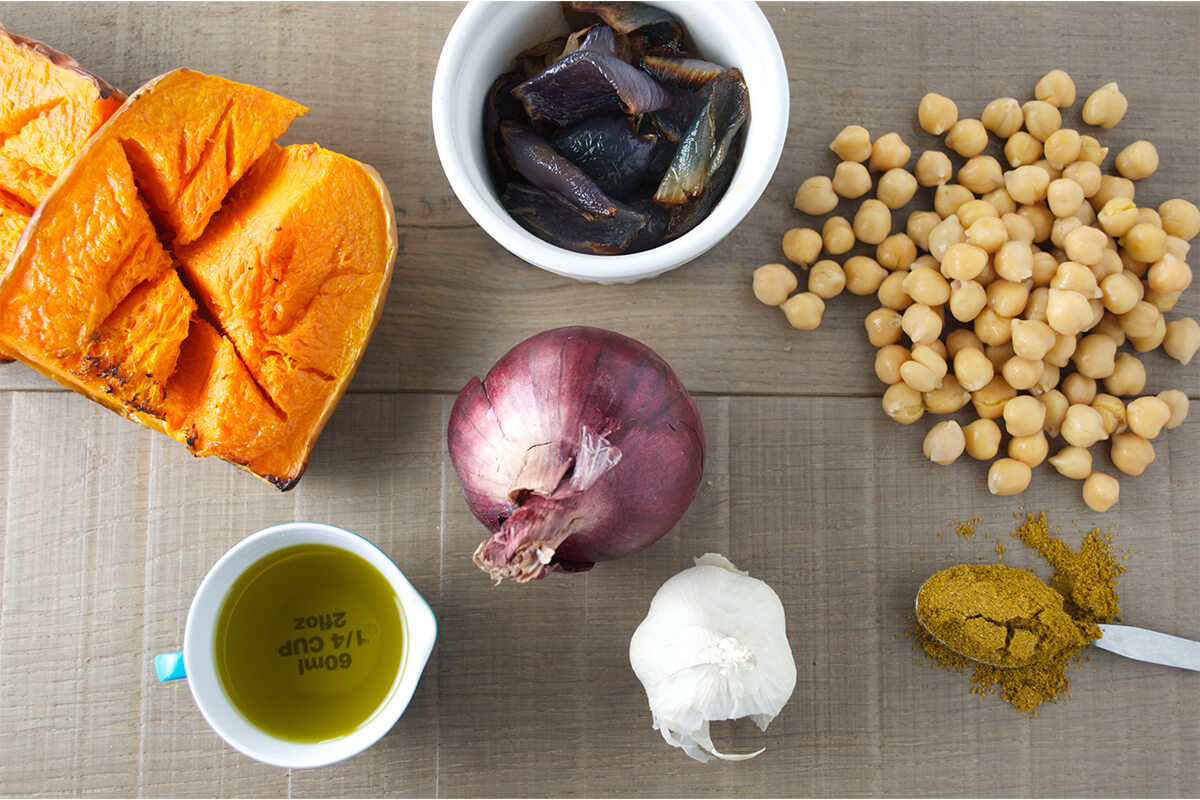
[289, 276]
[49, 106]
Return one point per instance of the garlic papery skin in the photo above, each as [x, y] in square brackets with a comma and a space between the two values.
[713, 646]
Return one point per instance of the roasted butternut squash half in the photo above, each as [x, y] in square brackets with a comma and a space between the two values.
[191, 274]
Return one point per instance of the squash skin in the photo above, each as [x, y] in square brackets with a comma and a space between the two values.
[226, 379]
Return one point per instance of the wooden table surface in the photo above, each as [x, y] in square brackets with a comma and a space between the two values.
[108, 528]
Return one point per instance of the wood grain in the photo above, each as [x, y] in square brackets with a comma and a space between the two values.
[107, 528]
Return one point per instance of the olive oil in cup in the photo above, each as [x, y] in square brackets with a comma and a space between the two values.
[303, 645]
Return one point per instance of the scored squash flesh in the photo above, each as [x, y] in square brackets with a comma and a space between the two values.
[194, 276]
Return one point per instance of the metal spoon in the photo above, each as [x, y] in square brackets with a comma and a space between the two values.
[1124, 640]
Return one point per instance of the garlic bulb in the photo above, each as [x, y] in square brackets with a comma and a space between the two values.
[713, 646]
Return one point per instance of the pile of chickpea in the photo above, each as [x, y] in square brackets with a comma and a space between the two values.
[1047, 265]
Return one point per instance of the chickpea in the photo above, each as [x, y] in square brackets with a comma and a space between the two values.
[1008, 476]
[816, 196]
[1032, 339]
[837, 235]
[1100, 491]
[1095, 356]
[1000, 200]
[1105, 106]
[1180, 218]
[889, 151]
[826, 279]
[1079, 389]
[928, 287]
[1056, 88]
[804, 311]
[1085, 173]
[961, 339]
[1117, 216]
[888, 361]
[1035, 308]
[1091, 151]
[1002, 117]
[883, 327]
[1119, 292]
[1169, 274]
[1147, 415]
[998, 354]
[919, 225]
[1128, 376]
[1041, 119]
[1138, 160]
[872, 221]
[1007, 298]
[972, 369]
[944, 443]
[1177, 247]
[947, 197]
[1109, 264]
[946, 398]
[1112, 412]
[981, 174]
[1150, 217]
[1031, 449]
[968, 138]
[939, 347]
[1019, 229]
[1163, 301]
[925, 370]
[1064, 348]
[1110, 325]
[851, 179]
[936, 113]
[863, 275]
[1056, 405]
[972, 211]
[1064, 197]
[853, 143]
[991, 328]
[1058, 234]
[896, 187]
[982, 439]
[891, 292]
[896, 252]
[773, 283]
[963, 262]
[921, 323]
[1083, 426]
[802, 246]
[1144, 344]
[1085, 245]
[1131, 453]
[903, 403]
[1067, 312]
[1072, 462]
[967, 299]
[1040, 218]
[1085, 213]
[1062, 148]
[989, 401]
[1182, 339]
[1022, 150]
[1022, 373]
[1177, 403]
[1027, 184]
[933, 167]
[1141, 320]
[1024, 415]
[988, 234]
[1112, 186]
[945, 234]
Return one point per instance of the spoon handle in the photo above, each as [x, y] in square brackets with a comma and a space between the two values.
[1144, 645]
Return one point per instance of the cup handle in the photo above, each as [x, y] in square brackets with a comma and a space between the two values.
[169, 666]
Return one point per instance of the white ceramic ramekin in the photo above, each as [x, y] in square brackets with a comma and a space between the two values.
[481, 46]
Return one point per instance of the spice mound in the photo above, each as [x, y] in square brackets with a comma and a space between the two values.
[996, 614]
[1085, 582]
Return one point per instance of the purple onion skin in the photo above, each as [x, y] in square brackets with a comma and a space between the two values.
[515, 441]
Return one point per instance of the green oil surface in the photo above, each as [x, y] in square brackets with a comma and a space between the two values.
[309, 643]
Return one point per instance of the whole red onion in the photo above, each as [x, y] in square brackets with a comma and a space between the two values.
[579, 446]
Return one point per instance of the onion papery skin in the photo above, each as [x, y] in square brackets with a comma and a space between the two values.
[580, 445]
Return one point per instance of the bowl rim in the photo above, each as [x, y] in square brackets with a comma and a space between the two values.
[751, 176]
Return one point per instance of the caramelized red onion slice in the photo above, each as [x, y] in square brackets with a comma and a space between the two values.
[609, 151]
[589, 82]
[536, 160]
[580, 445]
[554, 219]
[708, 141]
[688, 73]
